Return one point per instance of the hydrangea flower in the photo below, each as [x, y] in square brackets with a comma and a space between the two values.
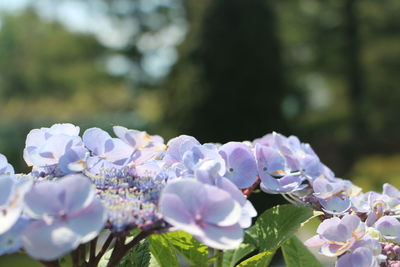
[393, 195]
[107, 152]
[176, 147]
[392, 253]
[10, 241]
[336, 236]
[130, 202]
[389, 228]
[11, 201]
[135, 181]
[199, 154]
[66, 214]
[371, 203]
[360, 257]
[275, 171]
[303, 159]
[5, 167]
[185, 157]
[241, 166]
[364, 253]
[208, 173]
[248, 210]
[145, 146]
[57, 150]
[330, 195]
[208, 213]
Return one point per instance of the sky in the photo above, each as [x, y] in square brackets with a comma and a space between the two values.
[90, 17]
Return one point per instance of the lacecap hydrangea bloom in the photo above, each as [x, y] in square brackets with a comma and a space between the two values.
[131, 185]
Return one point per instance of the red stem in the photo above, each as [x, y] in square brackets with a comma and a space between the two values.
[249, 190]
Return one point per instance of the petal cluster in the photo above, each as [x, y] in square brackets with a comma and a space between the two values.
[62, 220]
[80, 186]
[207, 212]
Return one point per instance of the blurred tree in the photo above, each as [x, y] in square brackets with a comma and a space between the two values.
[151, 29]
[227, 84]
[49, 74]
[380, 37]
[39, 58]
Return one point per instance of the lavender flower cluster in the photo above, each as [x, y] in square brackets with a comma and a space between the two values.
[83, 187]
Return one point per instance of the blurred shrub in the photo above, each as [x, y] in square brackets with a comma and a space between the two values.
[372, 171]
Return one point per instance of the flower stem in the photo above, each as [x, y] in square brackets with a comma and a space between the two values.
[92, 253]
[249, 190]
[93, 262]
[219, 254]
[121, 248]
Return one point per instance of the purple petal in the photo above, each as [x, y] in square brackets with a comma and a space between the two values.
[335, 205]
[177, 147]
[314, 241]
[228, 237]
[94, 139]
[389, 227]
[79, 192]
[248, 212]
[49, 242]
[222, 212]
[323, 188]
[5, 167]
[44, 199]
[74, 160]
[360, 257]
[10, 241]
[240, 164]
[64, 128]
[228, 186]
[11, 205]
[174, 212]
[7, 185]
[88, 222]
[207, 171]
[391, 191]
[337, 233]
[120, 152]
[327, 224]
[335, 249]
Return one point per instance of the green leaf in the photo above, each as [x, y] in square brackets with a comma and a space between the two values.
[138, 256]
[163, 251]
[297, 255]
[65, 261]
[17, 260]
[106, 257]
[260, 260]
[192, 250]
[153, 262]
[277, 225]
[231, 257]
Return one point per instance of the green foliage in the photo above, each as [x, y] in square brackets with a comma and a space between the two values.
[231, 257]
[277, 225]
[138, 256]
[192, 250]
[297, 255]
[38, 58]
[163, 251]
[18, 260]
[50, 74]
[369, 171]
[260, 260]
[229, 67]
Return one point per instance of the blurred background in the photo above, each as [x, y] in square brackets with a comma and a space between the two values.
[221, 70]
